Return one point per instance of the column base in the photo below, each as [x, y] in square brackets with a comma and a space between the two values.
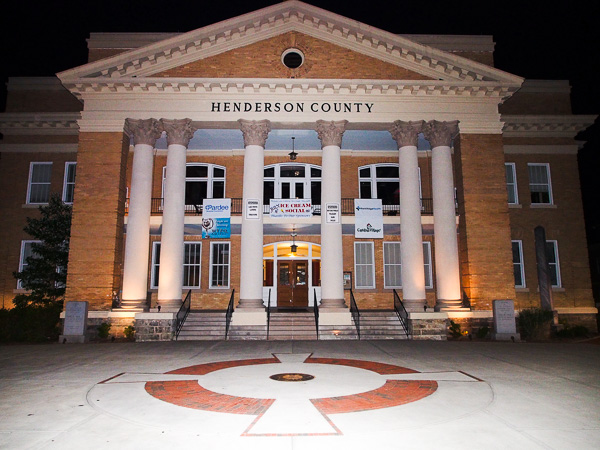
[135, 305]
[415, 305]
[332, 303]
[170, 305]
[449, 305]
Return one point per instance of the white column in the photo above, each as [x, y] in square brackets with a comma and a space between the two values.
[413, 275]
[332, 260]
[135, 268]
[170, 279]
[440, 135]
[251, 256]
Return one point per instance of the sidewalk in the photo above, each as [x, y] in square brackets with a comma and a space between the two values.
[364, 394]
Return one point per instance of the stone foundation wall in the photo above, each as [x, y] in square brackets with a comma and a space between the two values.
[428, 326]
[154, 327]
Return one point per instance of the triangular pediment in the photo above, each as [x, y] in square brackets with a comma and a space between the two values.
[202, 53]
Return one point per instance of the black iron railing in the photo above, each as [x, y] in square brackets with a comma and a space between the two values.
[229, 313]
[355, 313]
[183, 312]
[401, 313]
[237, 207]
[268, 314]
[316, 312]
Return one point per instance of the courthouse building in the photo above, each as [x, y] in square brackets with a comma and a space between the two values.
[337, 159]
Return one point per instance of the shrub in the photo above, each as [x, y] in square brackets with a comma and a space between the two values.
[31, 323]
[103, 330]
[533, 322]
[576, 331]
[129, 332]
[455, 330]
[483, 332]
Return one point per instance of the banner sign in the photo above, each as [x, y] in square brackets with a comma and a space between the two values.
[290, 209]
[368, 218]
[216, 218]
[252, 209]
[332, 213]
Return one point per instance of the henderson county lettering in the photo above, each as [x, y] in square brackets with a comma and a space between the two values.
[299, 107]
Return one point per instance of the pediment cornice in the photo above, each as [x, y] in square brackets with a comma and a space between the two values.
[39, 123]
[545, 126]
[282, 18]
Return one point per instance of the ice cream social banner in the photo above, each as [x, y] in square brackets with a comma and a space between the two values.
[368, 218]
[216, 218]
[290, 209]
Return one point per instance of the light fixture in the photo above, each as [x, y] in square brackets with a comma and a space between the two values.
[293, 155]
[294, 247]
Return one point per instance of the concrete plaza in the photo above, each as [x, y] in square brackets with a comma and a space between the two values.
[364, 394]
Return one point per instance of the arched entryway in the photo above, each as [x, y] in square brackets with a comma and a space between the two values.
[291, 278]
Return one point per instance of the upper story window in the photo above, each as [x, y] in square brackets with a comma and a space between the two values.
[291, 180]
[540, 185]
[38, 189]
[69, 182]
[381, 181]
[201, 181]
[511, 183]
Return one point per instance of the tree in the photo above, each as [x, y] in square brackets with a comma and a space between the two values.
[45, 273]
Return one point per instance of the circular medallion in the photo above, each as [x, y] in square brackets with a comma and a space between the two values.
[291, 377]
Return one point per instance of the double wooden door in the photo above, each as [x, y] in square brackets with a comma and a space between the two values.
[292, 284]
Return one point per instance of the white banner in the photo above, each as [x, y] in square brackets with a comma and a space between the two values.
[290, 209]
[213, 208]
[368, 218]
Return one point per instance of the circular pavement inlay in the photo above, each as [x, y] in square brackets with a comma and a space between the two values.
[292, 377]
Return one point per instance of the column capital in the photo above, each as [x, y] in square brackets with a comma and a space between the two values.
[255, 132]
[330, 132]
[144, 131]
[179, 131]
[406, 133]
[440, 133]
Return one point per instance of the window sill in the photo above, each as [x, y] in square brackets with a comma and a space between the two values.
[543, 206]
[33, 205]
[515, 205]
[521, 289]
[555, 289]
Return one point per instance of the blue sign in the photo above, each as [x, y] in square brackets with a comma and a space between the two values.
[217, 228]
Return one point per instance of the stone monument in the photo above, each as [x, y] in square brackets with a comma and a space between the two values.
[505, 326]
[76, 314]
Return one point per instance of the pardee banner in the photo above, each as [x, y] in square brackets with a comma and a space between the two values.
[216, 218]
[368, 218]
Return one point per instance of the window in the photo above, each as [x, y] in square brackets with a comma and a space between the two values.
[38, 190]
[69, 182]
[540, 185]
[511, 183]
[553, 262]
[392, 265]
[364, 265]
[291, 180]
[26, 252]
[201, 181]
[427, 265]
[192, 257]
[219, 265]
[292, 58]
[381, 181]
[518, 267]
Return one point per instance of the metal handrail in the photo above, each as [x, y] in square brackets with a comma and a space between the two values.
[401, 313]
[229, 313]
[316, 312]
[347, 207]
[355, 313]
[183, 312]
[268, 314]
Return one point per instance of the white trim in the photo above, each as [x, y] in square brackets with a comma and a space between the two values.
[210, 178]
[515, 188]
[186, 265]
[39, 123]
[153, 266]
[541, 149]
[67, 183]
[22, 257]
[366, 265]
[306, 180]
[386, 285]
[556, 264]
[545, 125]
[549, 184]
[211, 265]
[156, 265]
[31, 165]
[521, 264]
[428, 267]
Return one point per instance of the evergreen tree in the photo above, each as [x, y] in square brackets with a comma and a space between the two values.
[45, 274]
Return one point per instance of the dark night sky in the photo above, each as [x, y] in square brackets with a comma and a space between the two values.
[533, 38]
